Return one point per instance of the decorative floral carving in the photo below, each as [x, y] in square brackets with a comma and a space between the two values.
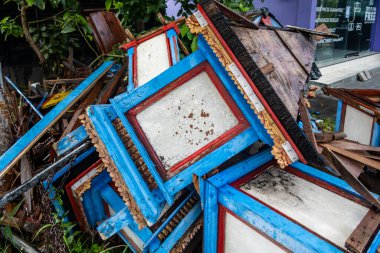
[114, 173]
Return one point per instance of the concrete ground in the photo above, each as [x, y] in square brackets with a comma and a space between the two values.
[326, 105]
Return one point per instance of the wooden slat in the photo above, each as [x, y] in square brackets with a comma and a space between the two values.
[363, 234]
[306, 122]
[113, 86]
[334, 162]
[75, 122]
[354, 156]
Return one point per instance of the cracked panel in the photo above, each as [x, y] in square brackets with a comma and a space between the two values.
[186, 119]
[322, 211]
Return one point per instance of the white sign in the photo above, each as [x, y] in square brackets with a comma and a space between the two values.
[246, 87]
[201, 20]
[370, 15]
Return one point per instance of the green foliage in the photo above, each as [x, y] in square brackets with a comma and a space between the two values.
[9, 27]
[188, 7]
[133, 11]
[55, 34]
[189, 39]
[327, 125]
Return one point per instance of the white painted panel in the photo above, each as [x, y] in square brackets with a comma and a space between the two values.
[358, 125]
[186, 119]
[322, 211]
[152, 58]
[239, 237]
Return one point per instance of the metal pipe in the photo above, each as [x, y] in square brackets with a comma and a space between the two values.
[22, 95]
[11, 195]
[19, 243]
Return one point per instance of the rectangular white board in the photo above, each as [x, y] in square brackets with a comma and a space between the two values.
[358, 125]
[186, 119]
[239, 237]
[328, 214]
[152, 59]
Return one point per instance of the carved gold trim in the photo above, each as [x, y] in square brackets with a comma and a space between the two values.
[278, 151]
[185, 241]
[87, 184]
[114, 173]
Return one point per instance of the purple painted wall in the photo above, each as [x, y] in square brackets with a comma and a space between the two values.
[375, 34]
[291, 12]
[172, 8]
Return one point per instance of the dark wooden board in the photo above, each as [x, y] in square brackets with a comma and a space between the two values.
[289, 77]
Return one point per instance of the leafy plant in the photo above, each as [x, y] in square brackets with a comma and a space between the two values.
[50, 37]
[134, 12]
[188, 7]
[9, 27]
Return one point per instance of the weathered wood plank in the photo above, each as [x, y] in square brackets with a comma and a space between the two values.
[288, 77]
[364, 232]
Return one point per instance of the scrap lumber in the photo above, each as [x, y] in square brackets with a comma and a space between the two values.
[354, 156]
[334, 162]
[306, 121]
[90, 99]
[44, 174]
[107, 30]
[362, 235]
[111, 88]
[9, 158]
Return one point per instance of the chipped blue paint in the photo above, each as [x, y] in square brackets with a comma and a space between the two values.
[375, 141]
[174, 213]
[150, 204]
[171, 34]
[338, 116]
[375, 244]
[131, 84]
[210, 229]
[71, 141]
[241, 169]
[13, 154]
[180, 229]
[115, 223]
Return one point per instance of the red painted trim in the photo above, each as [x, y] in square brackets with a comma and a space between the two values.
[73, 201]
[163, 29]
[302, 175]
[266, 21]
[253, 86]
[134, 70]
[175, 169]
[169, 51]
[222, 227]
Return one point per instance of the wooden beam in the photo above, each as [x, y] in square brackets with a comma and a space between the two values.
[364, 232]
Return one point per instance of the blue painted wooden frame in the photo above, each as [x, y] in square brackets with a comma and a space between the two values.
[148, 237]
[150, 202]
[71, 141]
[172, 38]
[338, 116]
[217, 191]
[125, 102]
[25, 142]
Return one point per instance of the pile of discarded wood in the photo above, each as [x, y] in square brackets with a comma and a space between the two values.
[158, 149]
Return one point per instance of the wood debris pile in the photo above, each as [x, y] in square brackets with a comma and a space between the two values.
[152, 148]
